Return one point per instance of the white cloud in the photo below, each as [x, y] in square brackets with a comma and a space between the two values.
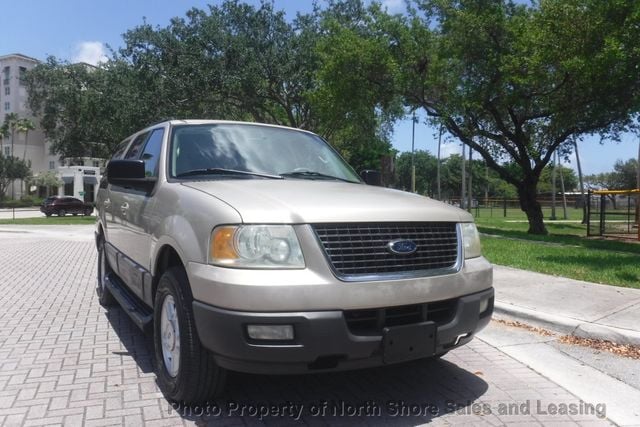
[450, 148]
[90, 52]
[394, 6]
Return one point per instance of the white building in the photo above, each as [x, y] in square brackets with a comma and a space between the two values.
[80, 177]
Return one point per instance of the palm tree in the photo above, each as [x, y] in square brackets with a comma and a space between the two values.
[4, 132]
[25, 125]
[11, 121]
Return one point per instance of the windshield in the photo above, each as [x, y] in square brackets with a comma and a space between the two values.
[260, 150]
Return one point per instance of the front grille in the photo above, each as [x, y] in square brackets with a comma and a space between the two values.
[360, 249]
[372, 321]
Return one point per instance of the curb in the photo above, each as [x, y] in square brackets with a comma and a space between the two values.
[567, 325]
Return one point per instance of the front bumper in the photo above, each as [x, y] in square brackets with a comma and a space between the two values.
[323, 339]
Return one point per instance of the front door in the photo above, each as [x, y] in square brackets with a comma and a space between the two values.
[137, 208]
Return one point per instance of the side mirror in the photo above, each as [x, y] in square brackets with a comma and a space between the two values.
[371, 177]
[129, 174]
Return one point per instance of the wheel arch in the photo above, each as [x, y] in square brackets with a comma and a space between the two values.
[99, 234]
[167, 257]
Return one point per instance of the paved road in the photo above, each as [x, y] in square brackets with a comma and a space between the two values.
[20, 213]
[66, 360]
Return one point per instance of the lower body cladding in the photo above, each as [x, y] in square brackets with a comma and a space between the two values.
[301, 342]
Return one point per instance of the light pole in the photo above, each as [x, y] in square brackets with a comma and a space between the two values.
[582, 198]
[564, 196]
[638, 188]
[553, 189]
[470, 191]
[438, 165]
[463, 191]
[413, 154]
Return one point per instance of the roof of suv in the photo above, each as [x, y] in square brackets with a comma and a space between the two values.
[204, 122]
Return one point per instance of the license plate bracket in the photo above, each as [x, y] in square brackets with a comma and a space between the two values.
[408, 342]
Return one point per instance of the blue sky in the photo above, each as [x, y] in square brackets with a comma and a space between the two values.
[80, 29]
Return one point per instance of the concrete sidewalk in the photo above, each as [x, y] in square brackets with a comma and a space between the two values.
[568, 306]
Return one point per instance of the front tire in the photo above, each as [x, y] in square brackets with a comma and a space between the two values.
[62, 212]
[104, 295]
[186, 371]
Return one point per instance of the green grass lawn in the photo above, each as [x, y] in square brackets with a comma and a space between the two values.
[52, 220]
[564, 252]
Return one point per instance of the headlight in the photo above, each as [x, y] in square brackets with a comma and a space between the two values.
[470, 240]
[256, 246]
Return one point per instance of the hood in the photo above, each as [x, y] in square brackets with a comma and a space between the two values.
[314, 201]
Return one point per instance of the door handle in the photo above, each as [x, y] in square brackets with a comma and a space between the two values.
[124, 208]
[107, 203]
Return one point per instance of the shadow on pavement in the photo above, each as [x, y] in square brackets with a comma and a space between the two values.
[138, 345]
[405, 394]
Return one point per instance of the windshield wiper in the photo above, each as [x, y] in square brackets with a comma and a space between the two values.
[312, 174]
[223, 171]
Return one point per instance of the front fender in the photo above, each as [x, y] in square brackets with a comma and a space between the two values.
[186, 218]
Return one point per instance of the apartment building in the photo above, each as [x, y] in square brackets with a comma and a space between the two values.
[80, 178]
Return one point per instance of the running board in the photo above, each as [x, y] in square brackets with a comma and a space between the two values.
[141, 315]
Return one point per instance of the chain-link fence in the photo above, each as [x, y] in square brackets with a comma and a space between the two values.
[613, 214]
[510, 208]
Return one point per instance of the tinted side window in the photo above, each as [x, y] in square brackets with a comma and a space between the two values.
[151, 153]
[121, 149]
[136, 146]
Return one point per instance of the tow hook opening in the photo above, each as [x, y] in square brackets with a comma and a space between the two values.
[327, 362]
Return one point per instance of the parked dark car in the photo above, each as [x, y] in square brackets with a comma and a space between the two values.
[65, 205]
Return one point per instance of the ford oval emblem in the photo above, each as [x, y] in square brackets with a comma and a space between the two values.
[402, 247]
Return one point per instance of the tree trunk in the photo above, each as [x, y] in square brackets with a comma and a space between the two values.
[527, 192]
[26, 144]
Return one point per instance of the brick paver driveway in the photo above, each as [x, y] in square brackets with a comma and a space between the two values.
[66, 360]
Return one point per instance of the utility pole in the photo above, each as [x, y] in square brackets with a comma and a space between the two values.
[638, 188]
[438, 165]
[470, 191]
[463, 191]
[564, 197]
[553, 188]
[582, 198]
[486, 186]
[413, 154]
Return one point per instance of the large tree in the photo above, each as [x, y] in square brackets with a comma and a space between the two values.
[228, 61]
[9, 128]
[69, 99]
[426, 166]
[623, 176]
[517, 82]
[11, 169]
[355, 98]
